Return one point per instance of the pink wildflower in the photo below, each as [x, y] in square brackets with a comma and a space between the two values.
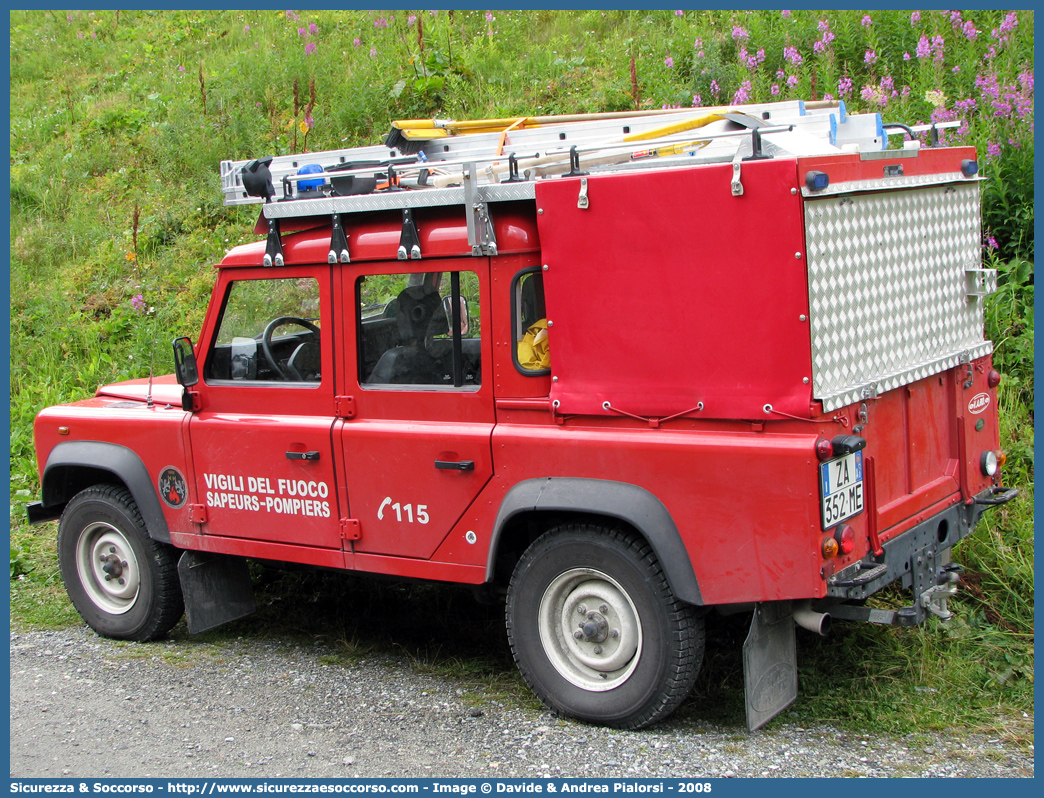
[669, 62]
[866, 21]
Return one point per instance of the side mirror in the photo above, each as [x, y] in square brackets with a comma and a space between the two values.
[185, 363]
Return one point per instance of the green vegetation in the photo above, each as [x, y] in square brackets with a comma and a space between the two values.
[120, 118]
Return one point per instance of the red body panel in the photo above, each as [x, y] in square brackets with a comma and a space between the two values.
[732, 267]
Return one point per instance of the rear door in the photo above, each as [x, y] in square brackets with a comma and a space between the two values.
[416, 443]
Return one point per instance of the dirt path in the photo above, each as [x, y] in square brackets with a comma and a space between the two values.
[82, 706]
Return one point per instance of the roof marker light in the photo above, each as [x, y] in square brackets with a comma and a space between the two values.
[310, 169]
[969, 167]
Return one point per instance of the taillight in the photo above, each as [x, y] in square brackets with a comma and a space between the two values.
[845, 537]
[993, 378]
[824, 450]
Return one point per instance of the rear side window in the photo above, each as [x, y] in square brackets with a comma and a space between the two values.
[529, 320]
[419, 329]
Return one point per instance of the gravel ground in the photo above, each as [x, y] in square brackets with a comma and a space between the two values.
[83, 706]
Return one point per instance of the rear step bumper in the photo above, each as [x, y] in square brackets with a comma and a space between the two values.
[919, 558]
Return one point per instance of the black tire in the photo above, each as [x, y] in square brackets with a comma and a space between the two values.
[605, 585]
[101, 534]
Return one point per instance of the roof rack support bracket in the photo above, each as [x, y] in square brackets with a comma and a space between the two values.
[274, 247]
[338, 242]
[481, 237]
[737, 186]
[409, 241]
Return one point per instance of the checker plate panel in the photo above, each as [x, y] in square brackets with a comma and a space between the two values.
[887, 288]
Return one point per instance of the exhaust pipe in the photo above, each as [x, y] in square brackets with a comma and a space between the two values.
[806, 618]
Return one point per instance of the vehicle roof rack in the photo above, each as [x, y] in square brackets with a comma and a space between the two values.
[430, 163]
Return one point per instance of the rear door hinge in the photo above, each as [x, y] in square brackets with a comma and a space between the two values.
[198, 514]
[350, 529]
[344, 406]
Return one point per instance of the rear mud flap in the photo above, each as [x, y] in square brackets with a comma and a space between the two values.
[769, 663]
[216, 588]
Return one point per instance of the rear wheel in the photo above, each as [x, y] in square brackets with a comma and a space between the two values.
[596, 631]
[122, 582]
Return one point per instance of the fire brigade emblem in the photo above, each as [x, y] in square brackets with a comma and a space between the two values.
[172, 487]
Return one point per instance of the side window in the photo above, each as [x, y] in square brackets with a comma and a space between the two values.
[529, 320]
[419, 329]
[269, 332]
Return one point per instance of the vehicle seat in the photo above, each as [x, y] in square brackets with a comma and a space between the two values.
[410, 363]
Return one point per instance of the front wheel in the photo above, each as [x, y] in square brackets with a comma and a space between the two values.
[122, 582]
[596, 631]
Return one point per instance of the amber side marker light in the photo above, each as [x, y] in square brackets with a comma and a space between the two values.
[63, 430]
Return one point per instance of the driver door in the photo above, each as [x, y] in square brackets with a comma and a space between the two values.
[261, 441]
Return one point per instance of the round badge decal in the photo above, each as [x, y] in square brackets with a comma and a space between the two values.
[172, 487]
[979, 403]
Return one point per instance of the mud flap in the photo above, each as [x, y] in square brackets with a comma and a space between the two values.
[769, 663]
[216, 588]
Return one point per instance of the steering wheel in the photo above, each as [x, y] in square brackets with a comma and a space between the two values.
[266, 344]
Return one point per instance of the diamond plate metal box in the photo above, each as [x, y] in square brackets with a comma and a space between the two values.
[888, 293]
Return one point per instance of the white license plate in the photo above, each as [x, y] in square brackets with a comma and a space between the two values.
[841, 488]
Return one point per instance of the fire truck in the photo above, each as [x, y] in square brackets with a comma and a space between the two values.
[622, 370]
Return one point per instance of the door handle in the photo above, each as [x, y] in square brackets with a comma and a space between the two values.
[450, 465]
[302, 455]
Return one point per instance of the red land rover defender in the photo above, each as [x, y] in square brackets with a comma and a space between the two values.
[727, 359]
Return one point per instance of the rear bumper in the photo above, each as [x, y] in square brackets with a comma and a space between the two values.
[919, 559]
